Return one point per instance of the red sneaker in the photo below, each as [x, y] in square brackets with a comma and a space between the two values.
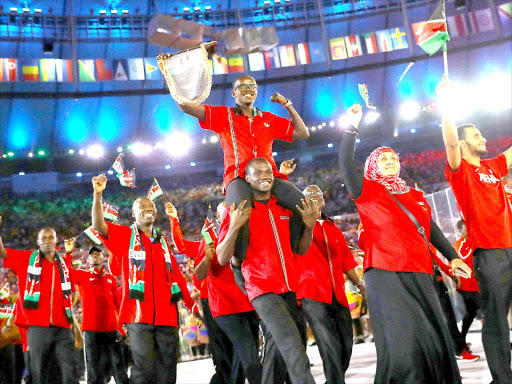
[467, 356]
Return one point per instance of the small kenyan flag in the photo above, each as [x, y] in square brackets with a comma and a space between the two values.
[434, 34]
[208, 230]
[155, 190]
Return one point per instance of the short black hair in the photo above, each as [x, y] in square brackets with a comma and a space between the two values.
[255, 160]
[461, 130]
[94, 249]
[460, 223]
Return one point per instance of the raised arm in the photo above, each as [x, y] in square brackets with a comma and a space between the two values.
[98, 221]
[351, 177]
[189, 248]
[300, 131]
[310, 214]
[237, 218]
[203, 268]
[450, 135]
[3, 251]
[197, 111]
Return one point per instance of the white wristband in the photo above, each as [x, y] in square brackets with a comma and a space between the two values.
[288, 103]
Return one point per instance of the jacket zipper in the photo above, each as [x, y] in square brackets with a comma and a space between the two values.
[51, 294]
[279, 249]
[329, 257]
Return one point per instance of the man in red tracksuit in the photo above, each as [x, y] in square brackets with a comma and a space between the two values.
[45, 286]
[100, 306]
[322, 290]
[227, 370]
[152, 282]
[269, 270]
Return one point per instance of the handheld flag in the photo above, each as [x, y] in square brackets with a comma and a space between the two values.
[118, 165]
[110, 211]
[127, 178]
[4, 291]
[155, 190]
[434, 34]
[363, 91]
[208, 230]
[6, 312]
[93, 235]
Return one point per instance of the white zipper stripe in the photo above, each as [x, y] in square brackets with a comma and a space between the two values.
[329, 256]
[51, 294]
[279, 249]
[235, 145]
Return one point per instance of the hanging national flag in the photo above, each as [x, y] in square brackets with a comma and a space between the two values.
[155, 190]
[104, 69]
[302, 54]
[151, 68]
[136, 69]
[457, 25]
[118, 165]
[369, 43]
[93, 235]
[4, 291]
[8, 70]
[338, 48]
[64, 70]
[505, 12]
[481, 20]
[287, 56]
[127, 178]
[354, 47]
[86, 70]
[47, 71]
[236, 64]
[317, 52]
[384, 41]
[417, 28]
[220, 65]
[399, 38]
[208, 230]
[110, 211]
[363, 91]
[256, 61]
[272, 58]
[434, 34]
[6, 312]
[29, 70]
[121, 70]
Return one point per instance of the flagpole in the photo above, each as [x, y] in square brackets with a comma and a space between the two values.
[445, 59]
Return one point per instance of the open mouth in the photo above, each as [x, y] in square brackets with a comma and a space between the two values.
[265, 183]
[148, 215]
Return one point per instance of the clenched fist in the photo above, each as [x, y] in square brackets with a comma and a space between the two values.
[171, 211]
[99, 183]
[278, 98]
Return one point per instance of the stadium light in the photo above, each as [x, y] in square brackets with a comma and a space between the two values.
[81, 152]
[125, 11]
[495, 93]
[330, 145]
[38, 10]
[119, 149]
[371, 117]
[208, 7]
[141, 149]
[331, 124]
[178, 144]
[192, 164]
[4, 155]
[186, 9]
[110, 172]
[10, 154]
[358, 140]
[13, 9]
[214, 139]
[167, 166]
[71, 151]
[103, 12]
[413, 130]
[197, 8]
[26, 10]
[409, 110]
[113, 12]
[343, 122]
[95, 151]
[79, 174]
[21, 173]
[41, 153]
[30, 154]
[395, 133]
[274, 153]
[204, 141]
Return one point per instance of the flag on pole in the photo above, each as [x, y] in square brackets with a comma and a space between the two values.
[457, 25]
[434, 34]
[6, 312]
[208, 230]
[4, 291]
[127, 178]
[155, 190]
[110, 211]
[118, 165]
[93, 235]
[363, 91]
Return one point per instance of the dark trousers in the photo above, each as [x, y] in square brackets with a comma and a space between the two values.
[332, 327]
[243, 331]
[45, 341]
[493, 269]
[155, 353]
[472, 304]
[278, 313]
[101, 353]
[459, 342]
[7, 365]
[287, 195]
[274, 366]
[222, 351]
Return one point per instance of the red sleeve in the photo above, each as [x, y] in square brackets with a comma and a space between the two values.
[283, 128]
[115, 294]
[17, 260]
[118, 241]
[499, 165]
[187, 299]
[449, 174]
[189, 248]
[224, 227]
[446, 268]
[349, 261]
[114, 265]
[216, 118]
[77, 276]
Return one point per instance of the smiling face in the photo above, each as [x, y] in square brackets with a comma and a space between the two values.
[259, 175]
[96, 258]
[473, 143]
[388, 164]
[245, 90]
[314, 193]
[144, 211]
[47, 240]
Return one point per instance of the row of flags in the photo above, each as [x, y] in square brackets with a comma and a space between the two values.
[386, 40]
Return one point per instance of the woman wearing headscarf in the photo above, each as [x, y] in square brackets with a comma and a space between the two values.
[411, 337]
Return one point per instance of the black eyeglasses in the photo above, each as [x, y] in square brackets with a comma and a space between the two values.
[247, 87]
